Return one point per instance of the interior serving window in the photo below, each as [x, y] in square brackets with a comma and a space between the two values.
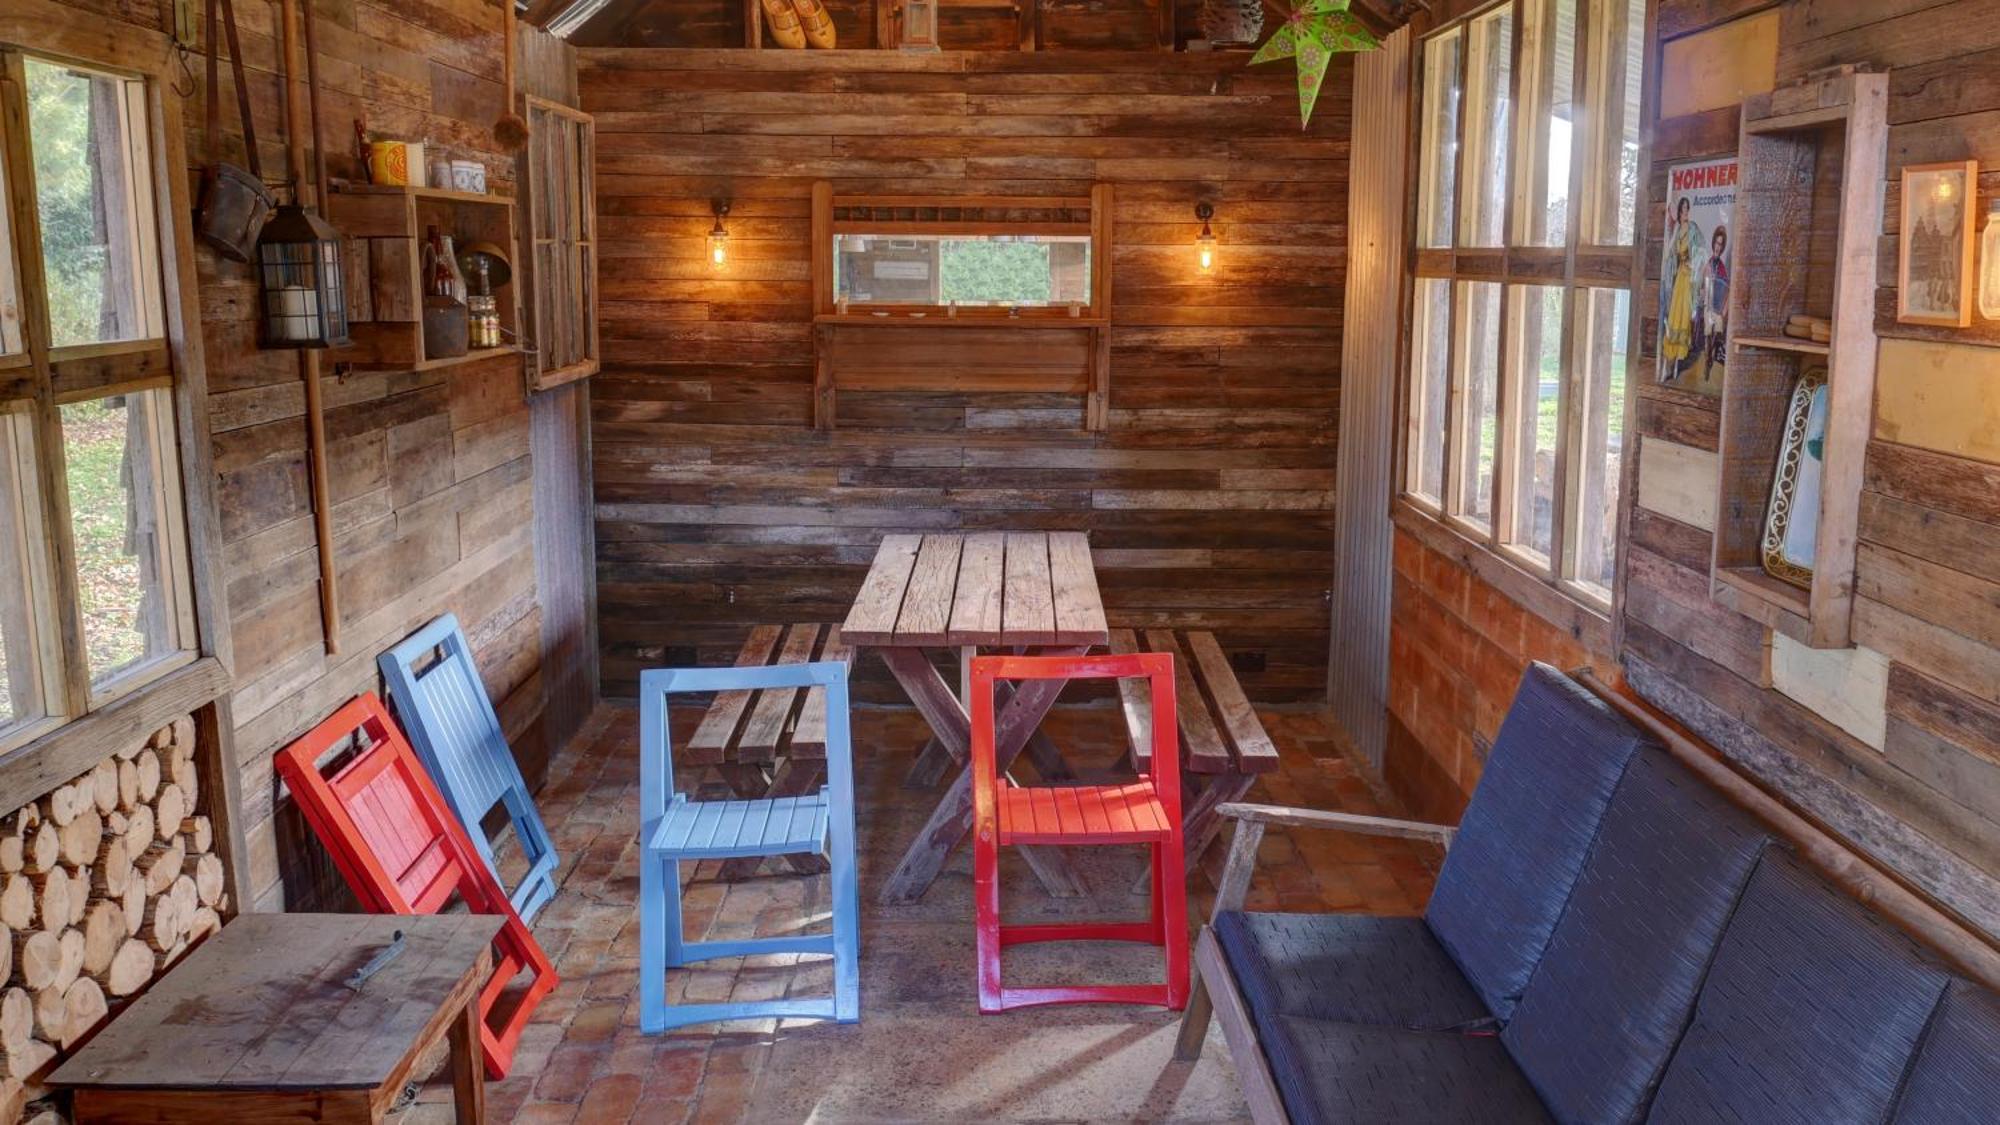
[1005, 270]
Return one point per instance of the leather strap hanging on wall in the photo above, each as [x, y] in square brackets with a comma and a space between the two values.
[234, 202]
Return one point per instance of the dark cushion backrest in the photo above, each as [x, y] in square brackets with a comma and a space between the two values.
[1618, 984]
[1810, 1014]
[1956, 1078]
[1523, 838]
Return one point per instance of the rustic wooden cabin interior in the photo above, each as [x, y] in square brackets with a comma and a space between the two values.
[999, 561]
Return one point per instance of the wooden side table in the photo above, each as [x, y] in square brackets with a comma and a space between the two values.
[266, 1022]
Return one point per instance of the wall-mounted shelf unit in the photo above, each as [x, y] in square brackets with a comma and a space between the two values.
[1808, 216]
[887, 319]
[384, 228]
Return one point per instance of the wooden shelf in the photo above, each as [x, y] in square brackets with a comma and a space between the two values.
[1812, 165]
[384, 231]
[1783, 344]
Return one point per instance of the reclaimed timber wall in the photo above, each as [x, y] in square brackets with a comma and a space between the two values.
[430, 472]
[1894, 744]
[1208, 498]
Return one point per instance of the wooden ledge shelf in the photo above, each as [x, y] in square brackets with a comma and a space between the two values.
[442, 195]
[1783, 344]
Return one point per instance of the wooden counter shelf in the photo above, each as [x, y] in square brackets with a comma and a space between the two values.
[384, 228]
[963, 320]
[1783, 344]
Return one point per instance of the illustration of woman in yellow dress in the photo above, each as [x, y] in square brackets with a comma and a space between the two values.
[1677, 292]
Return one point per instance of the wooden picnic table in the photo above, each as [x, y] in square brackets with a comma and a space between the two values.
[1026, 592]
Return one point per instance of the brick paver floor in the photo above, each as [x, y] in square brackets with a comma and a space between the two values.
[922, 1052]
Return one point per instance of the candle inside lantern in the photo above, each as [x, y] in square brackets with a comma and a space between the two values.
[297, 312]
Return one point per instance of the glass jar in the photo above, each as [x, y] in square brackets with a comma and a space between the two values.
[1989, 264]
[485, 316]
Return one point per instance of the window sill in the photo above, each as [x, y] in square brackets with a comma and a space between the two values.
[71, 748]
[1559, 604]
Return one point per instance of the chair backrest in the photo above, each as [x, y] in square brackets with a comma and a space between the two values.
[1164, 765]
[384, 822]
[450, 720]
[1522, 842]
[826, 681]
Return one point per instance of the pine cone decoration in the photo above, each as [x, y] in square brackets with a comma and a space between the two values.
[1232, 21]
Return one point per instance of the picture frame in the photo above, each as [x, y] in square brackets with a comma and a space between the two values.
[1934, 282]
[1791, 520]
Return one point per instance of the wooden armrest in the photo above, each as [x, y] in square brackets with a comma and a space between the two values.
[1339, 821]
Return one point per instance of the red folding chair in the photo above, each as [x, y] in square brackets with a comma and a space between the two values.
[1146, 811]
[402, 851]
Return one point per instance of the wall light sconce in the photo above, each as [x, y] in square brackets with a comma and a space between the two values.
[1204, 243]
[718, 235]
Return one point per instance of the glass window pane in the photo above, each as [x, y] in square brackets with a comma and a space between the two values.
[113, 453]
[1478, 363]
[94, 201]
[1535, 333]
[11, 341]
[929, 269]
[1542, 161]
[1488, 90]
[1592, 547]
[1615, 67]
[1439, 187]
[1430, 385]
[23, 621]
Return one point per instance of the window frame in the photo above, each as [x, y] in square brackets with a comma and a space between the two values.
[1578, 267]
[88, 720]
[578, 197]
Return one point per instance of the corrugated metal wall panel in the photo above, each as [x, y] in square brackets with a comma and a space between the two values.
[1358, 665]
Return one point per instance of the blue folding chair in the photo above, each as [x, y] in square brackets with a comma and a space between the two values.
[673, 828]
[450, 722]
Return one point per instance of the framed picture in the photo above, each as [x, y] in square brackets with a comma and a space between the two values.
[1791, 523]
[1694, 275]
[1934, 270]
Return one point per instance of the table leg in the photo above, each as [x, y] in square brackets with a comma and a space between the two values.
[952, 818]
[468, 1069]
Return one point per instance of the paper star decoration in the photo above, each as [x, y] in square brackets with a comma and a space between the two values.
[1313, 33]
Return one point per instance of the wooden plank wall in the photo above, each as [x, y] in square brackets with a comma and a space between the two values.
[1907, 766]
[430, 473]
[1209, 498]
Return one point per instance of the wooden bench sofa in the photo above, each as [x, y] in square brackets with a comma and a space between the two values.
[1623, 929]
[770, 743]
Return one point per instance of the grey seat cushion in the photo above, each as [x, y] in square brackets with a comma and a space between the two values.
[1340, 1072]
[1810, 1014]
[1956, 1078]
[1617, 986]
[1357, 968]
[1522, 841]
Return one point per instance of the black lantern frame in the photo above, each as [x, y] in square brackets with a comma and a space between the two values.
[302, 288]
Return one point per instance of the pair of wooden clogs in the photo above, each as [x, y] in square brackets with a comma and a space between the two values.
[794, 23]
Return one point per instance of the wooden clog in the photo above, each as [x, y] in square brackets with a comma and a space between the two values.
[782, 25]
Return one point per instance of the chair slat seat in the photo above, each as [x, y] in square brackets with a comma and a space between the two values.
[1082, 814]
[728, 829]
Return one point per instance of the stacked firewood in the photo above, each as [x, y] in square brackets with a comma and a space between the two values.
[104, 883]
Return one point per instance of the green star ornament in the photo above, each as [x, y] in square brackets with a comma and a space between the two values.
[1313, 33]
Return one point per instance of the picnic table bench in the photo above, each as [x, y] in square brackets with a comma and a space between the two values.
[1223, 744]
[771, 743]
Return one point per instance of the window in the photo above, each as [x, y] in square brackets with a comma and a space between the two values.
[562, 218]
[1528, 165]
[95, 599]
[1026, 271]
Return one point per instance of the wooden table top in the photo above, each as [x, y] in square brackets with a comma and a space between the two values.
[987, 588]
[263, 1005]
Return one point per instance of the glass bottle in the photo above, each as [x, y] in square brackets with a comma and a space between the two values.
[1989, 264]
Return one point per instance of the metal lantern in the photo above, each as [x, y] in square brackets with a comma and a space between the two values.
[299, 274]
[1204, 243]
[919, 25]
[718, 235]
